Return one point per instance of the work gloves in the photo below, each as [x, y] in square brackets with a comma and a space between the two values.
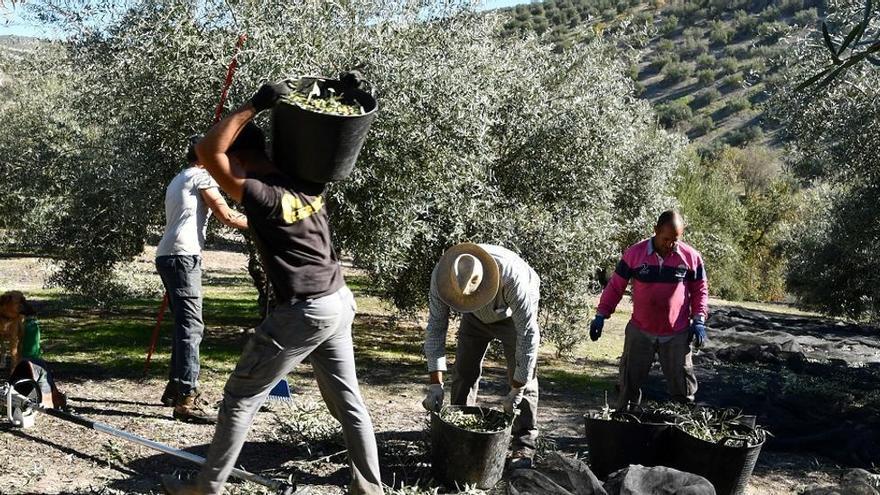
[269, 94]
[596, 327]
[351, 79]
[434, 397]
[513, 399]
[698, 333]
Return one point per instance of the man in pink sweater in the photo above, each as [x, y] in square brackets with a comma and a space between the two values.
[669, 296]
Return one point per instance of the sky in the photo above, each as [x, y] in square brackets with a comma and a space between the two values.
[12, 24]
[497, 4]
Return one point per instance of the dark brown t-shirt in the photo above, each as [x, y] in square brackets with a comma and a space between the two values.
[289, 220]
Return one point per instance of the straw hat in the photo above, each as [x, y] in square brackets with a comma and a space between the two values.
[466, 277]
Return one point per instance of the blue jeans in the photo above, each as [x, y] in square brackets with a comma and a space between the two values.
[182, 278]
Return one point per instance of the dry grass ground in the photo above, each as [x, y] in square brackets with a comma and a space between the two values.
[98, 361]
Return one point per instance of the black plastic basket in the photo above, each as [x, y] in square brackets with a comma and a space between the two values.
[726, 466]
[320, 147]
[460, 456]
[620, 441]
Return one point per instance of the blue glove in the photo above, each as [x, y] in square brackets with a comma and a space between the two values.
[698, 333]
[596, 327]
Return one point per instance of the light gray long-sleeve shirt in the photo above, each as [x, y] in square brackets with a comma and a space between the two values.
[517, 298]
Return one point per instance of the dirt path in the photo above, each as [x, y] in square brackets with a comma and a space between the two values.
[302, 441]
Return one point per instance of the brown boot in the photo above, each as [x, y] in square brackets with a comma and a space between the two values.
[192, 409]
[522, 458]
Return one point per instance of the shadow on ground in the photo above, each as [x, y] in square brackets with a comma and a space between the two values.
[403, 456]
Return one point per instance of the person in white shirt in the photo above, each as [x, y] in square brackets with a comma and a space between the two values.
[190, 199]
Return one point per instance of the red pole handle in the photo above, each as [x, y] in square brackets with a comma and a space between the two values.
[155, 337]
[230, 72]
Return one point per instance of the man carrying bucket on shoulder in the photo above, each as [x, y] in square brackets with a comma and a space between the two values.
[313, 318]
[669, 296]
[497, 294]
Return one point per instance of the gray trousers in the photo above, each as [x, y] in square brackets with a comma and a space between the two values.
[182, 278]
[319, 329]
[639, 351]
[474, 337]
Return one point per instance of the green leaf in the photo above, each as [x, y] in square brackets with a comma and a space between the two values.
[828, 80]
[829, 42]
[853, 35]
[809, 82]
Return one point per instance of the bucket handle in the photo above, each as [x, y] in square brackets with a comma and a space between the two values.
[637, 413]
[637, 408]
[367, 87]
[362, 84]
[618, 415]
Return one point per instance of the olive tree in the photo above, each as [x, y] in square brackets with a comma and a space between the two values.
[554, 158]
[832, 127]
[479, 138]
[853, 42]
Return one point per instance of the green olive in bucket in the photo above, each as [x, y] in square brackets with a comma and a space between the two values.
[474, 421]
[331, 104]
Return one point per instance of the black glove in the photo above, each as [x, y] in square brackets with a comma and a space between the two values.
[351, 80]
[269, 94]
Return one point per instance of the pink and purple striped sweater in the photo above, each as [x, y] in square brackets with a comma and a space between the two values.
[667, 292]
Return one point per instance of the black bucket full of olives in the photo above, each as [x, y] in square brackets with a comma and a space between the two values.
[319, 128]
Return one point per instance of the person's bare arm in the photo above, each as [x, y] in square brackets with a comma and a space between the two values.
[222, 211]
[211, 151]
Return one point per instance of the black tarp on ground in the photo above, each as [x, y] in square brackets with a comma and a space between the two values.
[741, 335]
[556, 474]
[641, 480]
[853, 482]
[562, 475]
[814, 383]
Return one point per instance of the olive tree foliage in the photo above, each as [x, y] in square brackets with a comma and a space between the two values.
[478, 138]
[857, 41]
[94, 130]
[835, 146]
[65, 194]
[739, 205]
[547, 154]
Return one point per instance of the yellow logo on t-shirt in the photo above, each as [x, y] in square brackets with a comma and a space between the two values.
[294, 210]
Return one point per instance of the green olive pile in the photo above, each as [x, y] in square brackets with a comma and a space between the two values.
[706, 423]
[332, 104]
[715, 425]
[483, 423]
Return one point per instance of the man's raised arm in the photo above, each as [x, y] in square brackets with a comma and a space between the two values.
[222, 211]
[212, 149]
